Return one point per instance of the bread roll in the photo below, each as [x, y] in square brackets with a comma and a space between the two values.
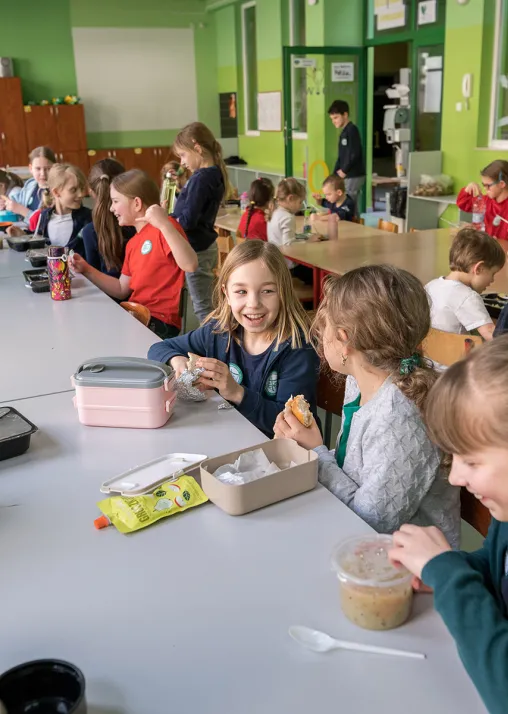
[300, 407]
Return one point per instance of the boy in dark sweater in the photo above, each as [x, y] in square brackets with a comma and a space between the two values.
[335, 198]
[350, 164]
[467, 415]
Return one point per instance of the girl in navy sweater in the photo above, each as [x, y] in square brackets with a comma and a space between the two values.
[197, 207]
[254, 347]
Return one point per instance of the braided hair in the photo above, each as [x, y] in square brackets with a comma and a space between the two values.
[260, 194]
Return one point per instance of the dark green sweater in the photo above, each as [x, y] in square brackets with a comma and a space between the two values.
[467, 595]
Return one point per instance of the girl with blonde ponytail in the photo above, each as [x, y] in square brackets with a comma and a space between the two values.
[197, 207]
[104, 239]
[370, 327]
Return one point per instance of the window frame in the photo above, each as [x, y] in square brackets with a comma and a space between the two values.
[302, 135]
[246, 106]
[497, 144]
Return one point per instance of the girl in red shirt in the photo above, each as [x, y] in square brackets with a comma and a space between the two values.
[253, 221]
[495, 183]
[155, 258]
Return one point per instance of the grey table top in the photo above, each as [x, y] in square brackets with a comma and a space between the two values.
[191, 615]
[12, 263]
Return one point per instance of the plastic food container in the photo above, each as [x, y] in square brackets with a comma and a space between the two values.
[38, 258]
[373, 593]
[145, 478]
[15, 433]
[124, 392]
[22, 243]
[8, 217]
[37, 279]
[237, 499]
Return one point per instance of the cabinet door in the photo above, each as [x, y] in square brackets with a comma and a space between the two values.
[70, 124]
[40, 127]
[76, 158]
[12, 124]
[147, 159]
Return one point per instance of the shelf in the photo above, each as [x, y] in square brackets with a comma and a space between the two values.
[451, 200]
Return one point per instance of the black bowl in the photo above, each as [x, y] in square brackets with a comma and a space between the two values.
[45, 686]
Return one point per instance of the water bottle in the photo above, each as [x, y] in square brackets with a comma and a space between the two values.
[307, 227]
[168, 192]
[58, 273]
[479, 213]
[244, 201]
[333, 226]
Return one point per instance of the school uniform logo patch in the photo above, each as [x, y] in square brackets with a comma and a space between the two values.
[146, 247]
[236, 372]
[344, 142]
[271, 384]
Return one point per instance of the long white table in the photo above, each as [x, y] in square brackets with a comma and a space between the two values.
[42, 342]
[191, 615]
[12, 263]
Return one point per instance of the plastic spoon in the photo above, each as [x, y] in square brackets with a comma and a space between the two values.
[321, 642]
[497, 221]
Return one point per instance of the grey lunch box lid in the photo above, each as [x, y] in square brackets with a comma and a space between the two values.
[122, 372]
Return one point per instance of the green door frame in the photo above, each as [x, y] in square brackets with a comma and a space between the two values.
[288, 52]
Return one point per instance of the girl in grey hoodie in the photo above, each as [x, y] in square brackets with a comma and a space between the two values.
[370, 327]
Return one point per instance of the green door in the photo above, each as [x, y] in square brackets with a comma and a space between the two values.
[313, 78]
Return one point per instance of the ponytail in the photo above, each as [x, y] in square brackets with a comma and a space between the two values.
[417, 384]
[110, 239]
[219, 161]
[260, 196]
[249, 216]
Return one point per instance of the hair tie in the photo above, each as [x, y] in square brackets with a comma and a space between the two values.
[103, 176]
[409, 364]
[253, 203]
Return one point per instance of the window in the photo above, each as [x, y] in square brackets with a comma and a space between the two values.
[499, 103]
[250, 69]
[299, 74]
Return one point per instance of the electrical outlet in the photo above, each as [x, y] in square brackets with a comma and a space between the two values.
[458, 107]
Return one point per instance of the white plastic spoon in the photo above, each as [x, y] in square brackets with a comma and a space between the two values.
[497, 221]
[321, 642]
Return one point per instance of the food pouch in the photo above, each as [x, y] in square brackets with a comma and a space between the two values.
[130, 514]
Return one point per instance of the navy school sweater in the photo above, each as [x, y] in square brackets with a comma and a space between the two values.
[350, 159]
[80, 218]
[346, 210]
[287, 372]
[91, 247]
[198, 205]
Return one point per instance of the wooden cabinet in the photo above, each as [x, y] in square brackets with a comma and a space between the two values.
[76, 158]
[13, 147]
[61, 127]
[150, 159]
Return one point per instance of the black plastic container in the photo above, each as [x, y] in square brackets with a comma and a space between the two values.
[45, 686]
[39, 261]
[23, 243]
[15, 433]
[494, 303]
[37, 279]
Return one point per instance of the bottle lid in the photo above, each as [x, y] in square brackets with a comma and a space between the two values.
[102, 522]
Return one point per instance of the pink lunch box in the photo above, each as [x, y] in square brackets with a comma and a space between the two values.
[124, 392]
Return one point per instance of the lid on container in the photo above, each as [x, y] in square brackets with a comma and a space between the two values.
[145, 478]
[13, 424]
[364, 560]
[122, 372]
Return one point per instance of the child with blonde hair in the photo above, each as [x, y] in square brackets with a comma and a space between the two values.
[198, 205]
[455, 300]
[155, 259]
[370, 325]
[335, 199]
[26, 199]
[289, 195]
[254, 347]
[467, 415]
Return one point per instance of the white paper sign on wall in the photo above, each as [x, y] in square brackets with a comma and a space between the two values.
[303, 62]
[427, 12]
[343, 71]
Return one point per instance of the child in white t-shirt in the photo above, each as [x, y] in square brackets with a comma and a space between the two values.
[455, 301]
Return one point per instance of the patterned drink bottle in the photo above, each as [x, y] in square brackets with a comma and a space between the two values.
[58, 273]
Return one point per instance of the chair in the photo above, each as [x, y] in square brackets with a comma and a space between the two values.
[448, 347]
[140, 312]
[330, 398]
[239, 238]
[361, 221]
[304, 293]
[225, 245]
[182, 308]
[387, 226]
[474, 512]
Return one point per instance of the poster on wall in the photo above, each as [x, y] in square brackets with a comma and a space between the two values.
[228, 115]
[393, 16]
[427, 12]
[269, 111]
[343, 71]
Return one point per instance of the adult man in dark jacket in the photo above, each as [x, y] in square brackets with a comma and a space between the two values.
[350, 164]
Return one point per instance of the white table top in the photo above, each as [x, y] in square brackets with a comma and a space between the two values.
[191, 615]
[43, 341]
[12, 263]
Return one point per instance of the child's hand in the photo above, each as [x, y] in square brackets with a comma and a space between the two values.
[419, 586]
[314, 238]
[156, 216]
[78, 264]
[11, 205]
[14, 231]
[3, 202]
[414, 547]
[473, 189]
[318, 198]
[287, 426]
[179, 364]
[217, 376]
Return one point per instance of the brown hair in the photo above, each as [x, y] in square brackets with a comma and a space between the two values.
[198, 133]
[260, 194]
[137, 184]
[182, 173]
[42, 152]
[385, 313]
[289, 187]
[292, 321]
[467, 409]
[497, 171]
[471, 247]
[336, 181]
[59, 175]
[110, 240]
[9, 180]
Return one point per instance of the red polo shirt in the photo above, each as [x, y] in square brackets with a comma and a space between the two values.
[257, 224]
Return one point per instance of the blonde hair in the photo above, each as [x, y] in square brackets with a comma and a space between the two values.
[467, 409]
[137, 184]
[59, 175]
[110, 240]
[292, 321]
[42, 152]
[471, 247]
[289, 187]
[385, 313]
[198, 133]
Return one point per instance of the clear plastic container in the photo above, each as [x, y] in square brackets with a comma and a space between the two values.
[373, 593]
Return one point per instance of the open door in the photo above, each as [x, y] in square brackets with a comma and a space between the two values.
[313, 78]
